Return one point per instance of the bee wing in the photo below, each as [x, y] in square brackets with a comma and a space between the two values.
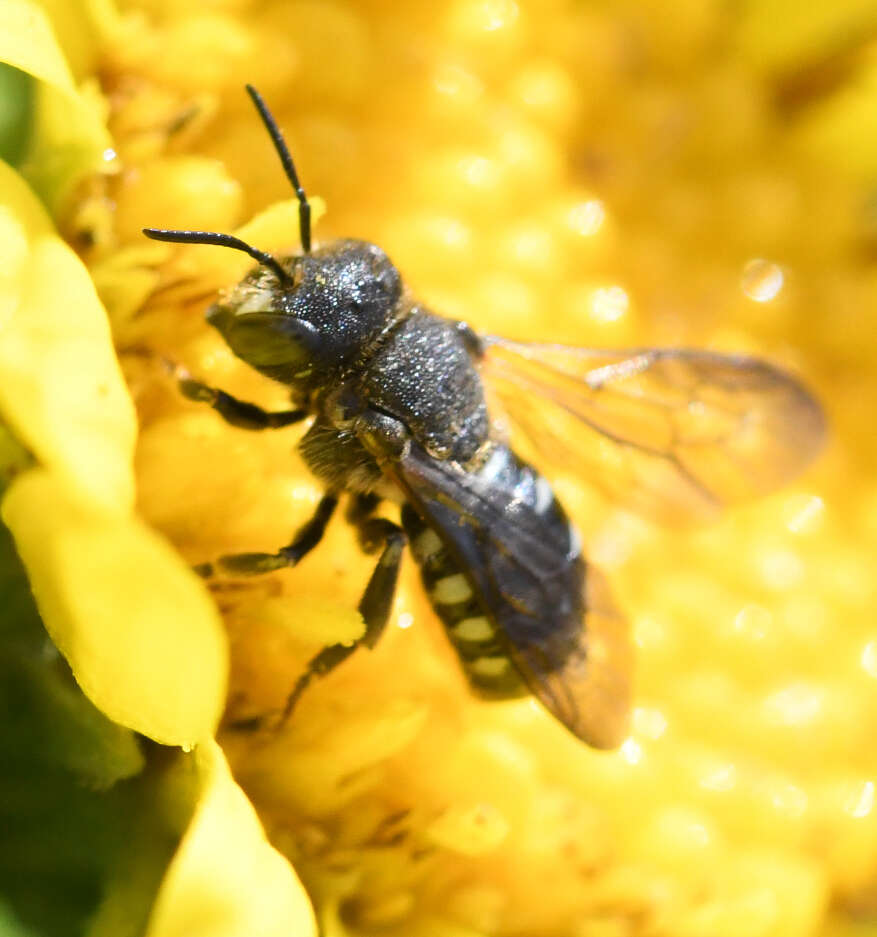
[673, 433]
[519, 554]
[589, 687]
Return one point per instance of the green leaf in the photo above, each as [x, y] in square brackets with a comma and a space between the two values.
[90, 815]
[16, 117]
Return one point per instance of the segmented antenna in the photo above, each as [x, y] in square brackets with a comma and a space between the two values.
[304, 207]
[222, 240]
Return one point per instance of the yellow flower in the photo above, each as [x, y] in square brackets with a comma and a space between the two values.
[592, 174]
[141, 636]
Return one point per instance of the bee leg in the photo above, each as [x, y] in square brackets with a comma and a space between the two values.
[254, 564]
[236, 412]
[360, 507]
[376, 602]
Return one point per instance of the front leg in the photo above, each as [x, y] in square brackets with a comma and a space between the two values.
[235, 412]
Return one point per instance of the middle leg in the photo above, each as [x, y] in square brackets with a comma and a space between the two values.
[255, 564]
[374, 533]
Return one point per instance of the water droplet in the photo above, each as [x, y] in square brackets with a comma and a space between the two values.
[761, 280]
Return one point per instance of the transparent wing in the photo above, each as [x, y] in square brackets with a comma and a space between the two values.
[590, 691]
[558, 622]
[672, 433]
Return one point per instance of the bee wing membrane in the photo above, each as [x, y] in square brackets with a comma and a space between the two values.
[558, 622]
[591, 691]
[673, 433]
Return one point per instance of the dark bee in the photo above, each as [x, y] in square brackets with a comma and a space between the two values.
[399, 411]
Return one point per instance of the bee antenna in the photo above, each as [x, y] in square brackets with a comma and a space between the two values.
[222, 240]
[304, 207]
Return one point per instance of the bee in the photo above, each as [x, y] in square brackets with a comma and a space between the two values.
[397, 398]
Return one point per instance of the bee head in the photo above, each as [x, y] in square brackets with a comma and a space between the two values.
[328, 307]
[298, 319]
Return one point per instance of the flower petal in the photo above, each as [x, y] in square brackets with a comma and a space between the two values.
[226, 879]
[275, 229]
[28, 42]
[54, 722]
[138, 628]
[70, 136]
[61, 389]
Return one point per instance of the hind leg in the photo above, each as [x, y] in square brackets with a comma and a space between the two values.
[375, 533]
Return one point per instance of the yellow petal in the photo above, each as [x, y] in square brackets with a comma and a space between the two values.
[226, 879]
[61, 390]
[143, 638]
[69, 137]
[277, 226]
[809, 31]
[28, 42]
[274, 230]
[80, 26]
[842, 131]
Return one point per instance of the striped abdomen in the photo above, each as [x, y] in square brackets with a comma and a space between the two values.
[501, 567]
[504, 570]
[472, 632]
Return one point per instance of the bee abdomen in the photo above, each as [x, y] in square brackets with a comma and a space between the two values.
[472, 632]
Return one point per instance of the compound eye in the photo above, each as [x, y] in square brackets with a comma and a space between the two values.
[271, 339]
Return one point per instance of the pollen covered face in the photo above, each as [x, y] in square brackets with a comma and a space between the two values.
[334, 304]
